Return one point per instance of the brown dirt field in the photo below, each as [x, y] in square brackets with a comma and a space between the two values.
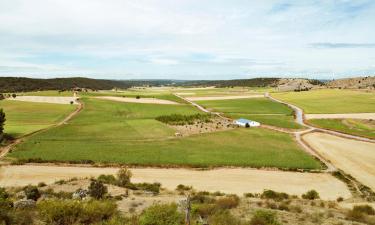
[207, 98]
[356, 158]
[141, 100]
[45, 99]
[341, 116]
[227, 180]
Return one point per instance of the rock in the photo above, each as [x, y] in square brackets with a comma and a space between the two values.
[25, 204]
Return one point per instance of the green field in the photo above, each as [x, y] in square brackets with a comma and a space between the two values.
[262, 110]
[111, 132]
[330, 100]
[365, 128]
[26, 117]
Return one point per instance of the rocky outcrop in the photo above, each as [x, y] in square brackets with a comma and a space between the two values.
[353, 83]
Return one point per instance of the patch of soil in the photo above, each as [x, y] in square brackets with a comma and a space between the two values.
[216, 124]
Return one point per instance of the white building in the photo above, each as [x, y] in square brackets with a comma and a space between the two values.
[244, 123]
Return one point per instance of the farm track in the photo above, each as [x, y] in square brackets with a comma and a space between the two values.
[4, 150]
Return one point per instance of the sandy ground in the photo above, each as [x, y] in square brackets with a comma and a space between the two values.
[45, 99]
[356, 158]
[236, 181]
[341, 116]
[141, 100]
[207, 98]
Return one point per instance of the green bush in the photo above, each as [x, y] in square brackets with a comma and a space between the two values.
[107, 179]
[366, 209]
[228, 202]
[277, 196]
[67, 212]
[182, 187]
[264, 217]
[32, 192]
[223, 218]
[97, 189]
[311, 195]
[161, 215]
[154, 187]
[3, 194]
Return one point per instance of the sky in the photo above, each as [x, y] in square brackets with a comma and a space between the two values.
[187, 39]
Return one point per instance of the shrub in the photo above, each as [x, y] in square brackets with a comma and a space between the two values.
[366, 209]
[223, 218]
[182, 187]
[97, 189]
[32, 192]
[201, 198]
[66, 212]
[264, 217]
[3, 194]
[107, 179]
[228, 202]
[277, 196]
[311, 195]
[340, 199]
[154, 188]
[248, 195]
[161, 215]
[123, 177]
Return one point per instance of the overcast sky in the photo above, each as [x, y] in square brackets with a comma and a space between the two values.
[187, 39]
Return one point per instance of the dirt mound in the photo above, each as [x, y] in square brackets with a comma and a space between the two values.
[353, 83]
[294, 84]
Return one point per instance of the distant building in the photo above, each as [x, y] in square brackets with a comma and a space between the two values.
[246, 123]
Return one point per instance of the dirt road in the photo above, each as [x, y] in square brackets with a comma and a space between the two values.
[365, 116]
[140, 100]
[356, 158]
[236, 181]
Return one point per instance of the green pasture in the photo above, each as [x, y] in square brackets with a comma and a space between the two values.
[330, 100]
[365, 128]
[127, 133]
[26, 117]
[262, 110]
[201, 92]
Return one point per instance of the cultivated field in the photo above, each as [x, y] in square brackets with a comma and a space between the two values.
[26, 117]
[262, 110]
[354, 157]
[114, 132]
[364, 128]
[330, 101]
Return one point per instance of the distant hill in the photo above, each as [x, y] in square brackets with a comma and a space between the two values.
[353, 83]
[22, 84]
[254, 82]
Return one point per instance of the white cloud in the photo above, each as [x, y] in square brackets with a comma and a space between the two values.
[154, 38]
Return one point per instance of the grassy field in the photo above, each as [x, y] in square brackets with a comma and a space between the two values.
[110, 132]
[26, 117]
[259, 109]
[193, 92]
[365, 128]
[330, 101]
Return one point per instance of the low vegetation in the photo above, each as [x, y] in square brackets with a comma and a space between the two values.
[178, 119]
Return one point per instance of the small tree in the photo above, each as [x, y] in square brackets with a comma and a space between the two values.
[311, 195]
[2, 123]
[123, 177]
[32, 192]
[97, 189]
[14, 95]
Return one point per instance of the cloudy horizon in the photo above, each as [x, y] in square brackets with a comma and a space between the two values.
[187, 39]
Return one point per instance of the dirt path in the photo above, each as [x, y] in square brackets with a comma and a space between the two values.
[46, 99]
[4, 150]
[366, 116]
[140, 100]
[207, 98]
[236, 181]
[354, 157]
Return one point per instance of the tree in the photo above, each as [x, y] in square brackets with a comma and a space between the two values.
[97, 189]
[123, 177]
[2, 123]
[311, 195]
[32, 192]
[14, 95]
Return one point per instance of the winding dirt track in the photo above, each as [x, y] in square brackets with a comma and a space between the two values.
[236, 181]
